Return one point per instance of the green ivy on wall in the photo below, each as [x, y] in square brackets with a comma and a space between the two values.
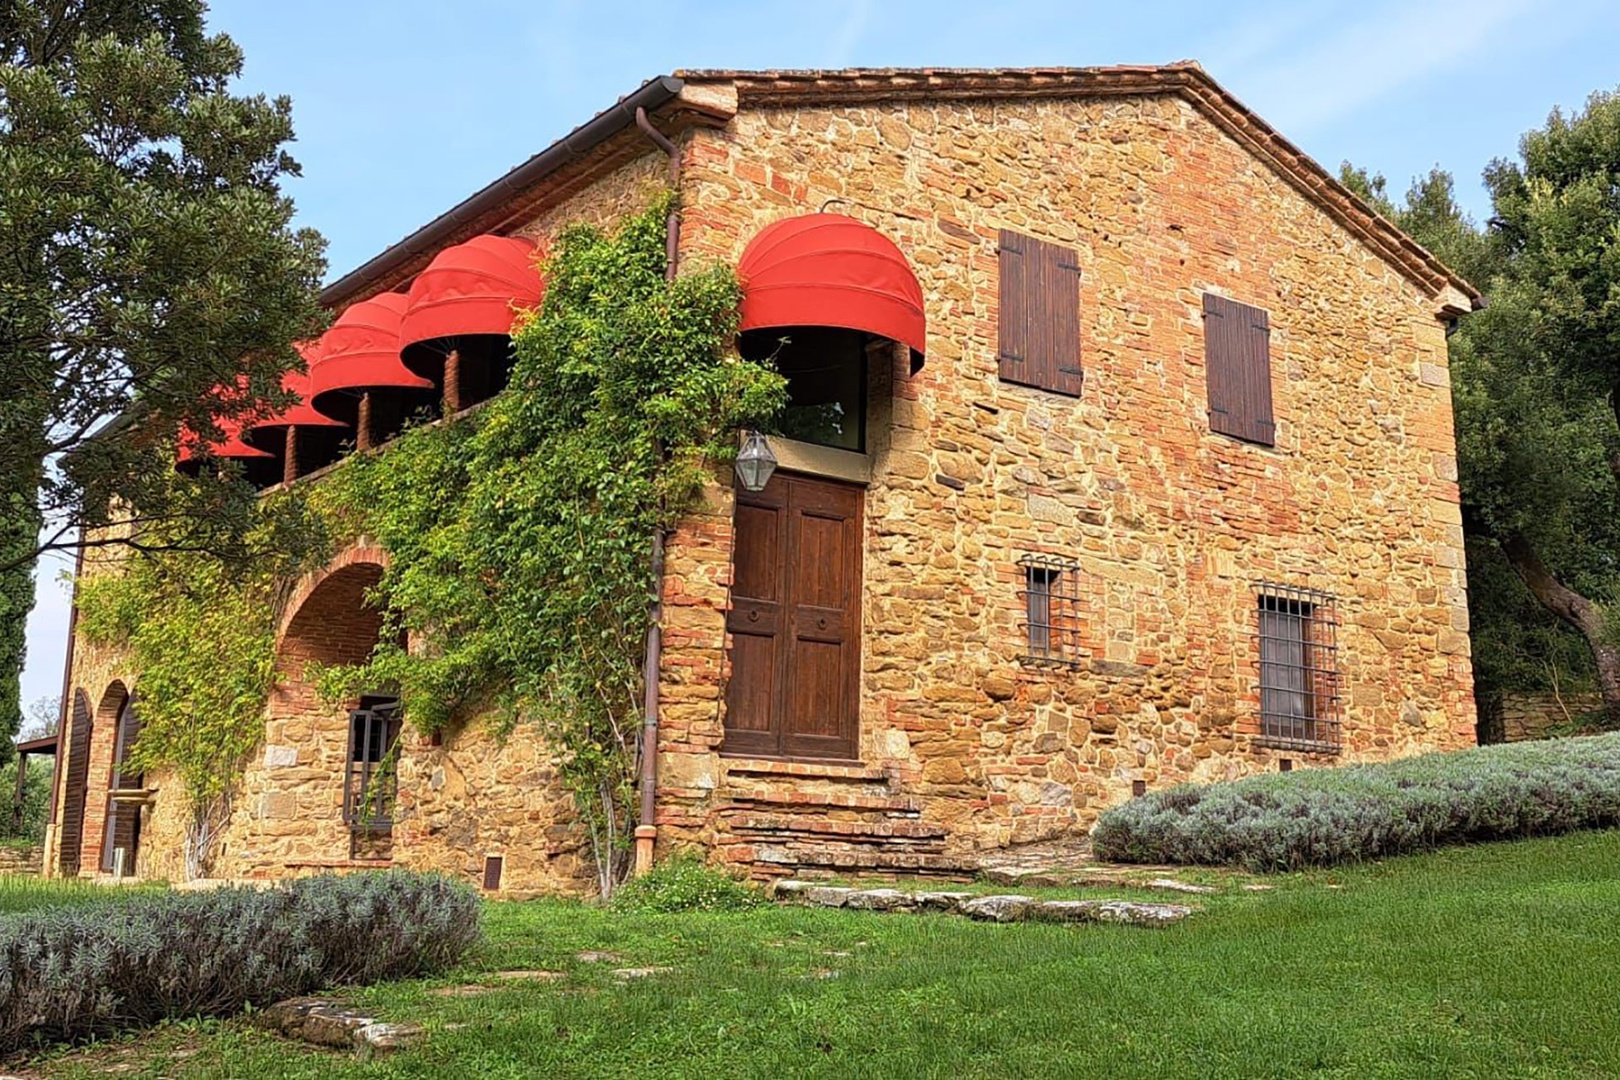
[519, 537]
[199, 628]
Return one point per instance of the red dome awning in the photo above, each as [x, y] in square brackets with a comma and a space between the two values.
[473, 288]
[361, 351]
[831, 270]
[301, 413]
[190, 449]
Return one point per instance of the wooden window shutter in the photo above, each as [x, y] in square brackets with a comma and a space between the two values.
[1039, 331]
[1237, 370]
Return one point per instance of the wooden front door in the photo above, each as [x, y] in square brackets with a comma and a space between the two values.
[795, 621]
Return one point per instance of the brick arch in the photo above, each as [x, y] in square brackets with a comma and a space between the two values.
[99, 752]
[360, 555]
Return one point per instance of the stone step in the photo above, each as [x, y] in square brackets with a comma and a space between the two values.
[805, 825]
[887, 804]
[845, 857]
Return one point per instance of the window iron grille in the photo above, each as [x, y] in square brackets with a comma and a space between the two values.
[1296, 634]
[1050, 599]
[371, 781]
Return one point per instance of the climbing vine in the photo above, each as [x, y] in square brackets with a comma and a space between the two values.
[519, 540]
[199, 627]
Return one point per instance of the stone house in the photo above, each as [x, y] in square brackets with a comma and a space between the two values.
[1119, 453]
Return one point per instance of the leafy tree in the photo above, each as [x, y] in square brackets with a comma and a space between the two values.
[44, 718]
[148, 257]
[1536, 383]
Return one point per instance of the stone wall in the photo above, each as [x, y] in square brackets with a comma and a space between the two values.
[22, 860]
[473, 793]
[1532, 716]
[962, 746]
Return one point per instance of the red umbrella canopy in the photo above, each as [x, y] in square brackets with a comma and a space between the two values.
[190, 448]
[831, 270]
[361, 351]
[473, 288]
[301, 413]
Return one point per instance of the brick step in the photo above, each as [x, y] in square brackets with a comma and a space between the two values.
[886, 829]
[851, 773]
[887, 804]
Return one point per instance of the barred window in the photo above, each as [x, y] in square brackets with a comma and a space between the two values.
[371, 779]
[1051, 599]
[1297, 631]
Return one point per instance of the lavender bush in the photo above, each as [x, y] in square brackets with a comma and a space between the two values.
[71, 973]
[1321, 817]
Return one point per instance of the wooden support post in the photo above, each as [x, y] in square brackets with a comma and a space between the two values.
[289, 468]
[452, 382]
[362, 424]
[17, 802]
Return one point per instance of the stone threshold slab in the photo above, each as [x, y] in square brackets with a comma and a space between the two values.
[1004, 908]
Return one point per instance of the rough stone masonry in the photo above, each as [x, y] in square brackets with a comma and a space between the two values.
[1167, 189]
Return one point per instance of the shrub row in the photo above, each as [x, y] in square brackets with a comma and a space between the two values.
[1320, 817]
[76, 972]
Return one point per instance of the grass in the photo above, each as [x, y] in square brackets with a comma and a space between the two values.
[1489, 961]
[24, 892]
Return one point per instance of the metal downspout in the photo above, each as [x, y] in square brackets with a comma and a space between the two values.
[647, 826]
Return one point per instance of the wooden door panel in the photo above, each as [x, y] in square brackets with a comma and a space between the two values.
[795, 620]
[756, 624]
[819, 568]
[815, 698]
[757, 564]
[753, 684]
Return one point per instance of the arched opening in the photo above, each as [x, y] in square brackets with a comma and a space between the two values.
[75, 785]
[125, 795]
[336, 625]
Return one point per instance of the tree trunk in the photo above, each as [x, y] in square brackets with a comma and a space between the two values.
[1579, 613]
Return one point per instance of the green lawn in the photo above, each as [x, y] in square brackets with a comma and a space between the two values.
[24, 892]
[1494, 961]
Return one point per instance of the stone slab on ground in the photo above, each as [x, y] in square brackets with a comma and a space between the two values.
[1001, 908]
[328, 1022]
[1007, 908]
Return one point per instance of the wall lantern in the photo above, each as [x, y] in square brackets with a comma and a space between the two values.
[755, 462]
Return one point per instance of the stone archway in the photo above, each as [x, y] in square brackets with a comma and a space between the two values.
[100, 766]
[319, 755]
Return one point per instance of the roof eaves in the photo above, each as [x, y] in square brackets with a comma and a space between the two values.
[650, 95]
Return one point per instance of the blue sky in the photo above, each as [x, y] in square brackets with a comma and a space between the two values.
[403, 108]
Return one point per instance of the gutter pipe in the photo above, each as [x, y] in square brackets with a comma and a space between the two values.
[647, 826]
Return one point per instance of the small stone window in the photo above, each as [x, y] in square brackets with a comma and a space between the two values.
[1297, 643]
[1050, 599]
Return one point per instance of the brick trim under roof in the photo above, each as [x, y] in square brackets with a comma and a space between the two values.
[783, 89]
